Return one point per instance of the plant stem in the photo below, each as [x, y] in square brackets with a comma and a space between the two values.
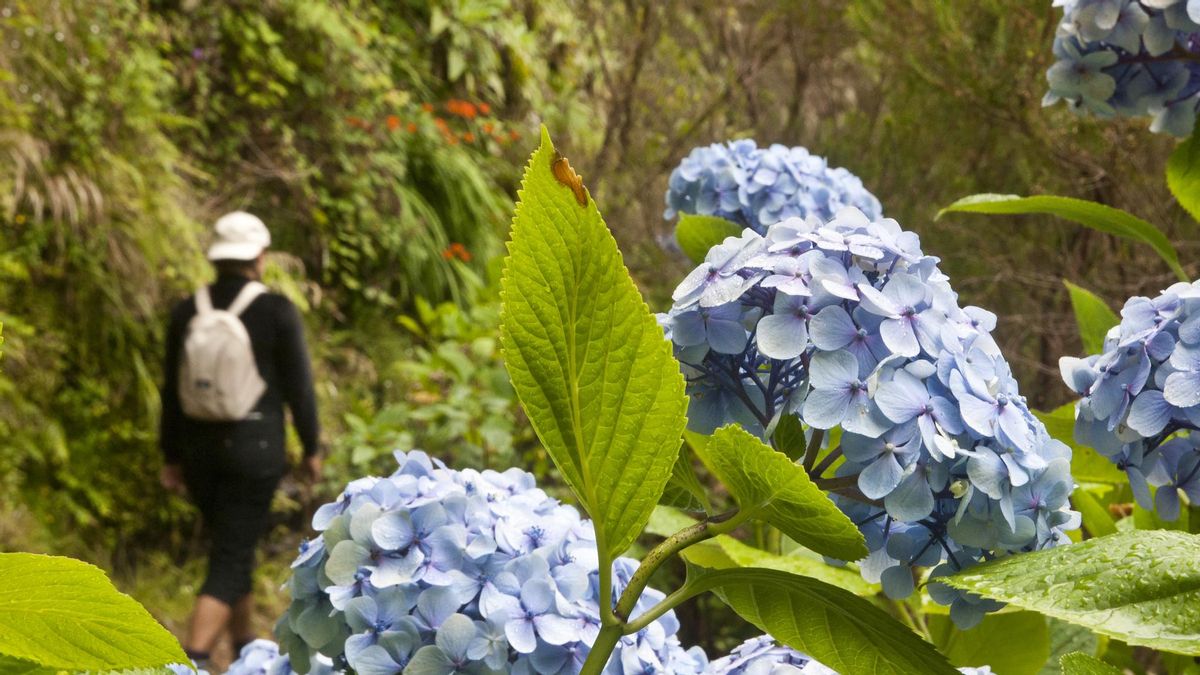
[604, 645]
[684, 592]
[814, 446]
[827, 462]
[615, 622]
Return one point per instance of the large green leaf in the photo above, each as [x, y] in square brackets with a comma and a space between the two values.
[1183, 174]
[65, 614]
[696, 234]
[769, 487]
[1089, 214]
[725, 552]
[1141, 587]
[836, 627]
[683, 490]
[586, 357]
[991, 642]
[1078, 663]
[1093, 317]
[1087, 465]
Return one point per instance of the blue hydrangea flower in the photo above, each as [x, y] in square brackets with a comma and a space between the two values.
[262, 657]
[846, 324]
[1130, 58]
[1140, 398]
[758, 187]
[435, 571]
[763, 656]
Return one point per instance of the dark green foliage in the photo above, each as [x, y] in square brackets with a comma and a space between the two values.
[126, 127]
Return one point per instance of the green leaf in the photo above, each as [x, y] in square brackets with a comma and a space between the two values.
[667, 520]
[789, 437]
[684, 490]
[1093, 317]
[991, 642]
[769, 487]
[11, 666]
[1141, 587]
[1066, 638]
[1183, 174]
[1078, 663]
[1089, 214]
[696, 234]
[725, 552]
[836, 627]
[65, 614]
[1095, 517]
[1087, 465]
[587, 359]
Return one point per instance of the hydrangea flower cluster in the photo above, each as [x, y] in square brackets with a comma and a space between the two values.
[262, 657]
[433, 570]
[847, 324]
[1129, 58]
[1141, 397]
[763, 656]
[758, 187]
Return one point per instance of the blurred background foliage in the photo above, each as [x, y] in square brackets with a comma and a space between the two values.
[382, 143]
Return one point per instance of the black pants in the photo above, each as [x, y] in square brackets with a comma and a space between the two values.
[236, 509]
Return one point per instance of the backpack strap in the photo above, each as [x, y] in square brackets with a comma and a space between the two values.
[203, 301]
[246, 296]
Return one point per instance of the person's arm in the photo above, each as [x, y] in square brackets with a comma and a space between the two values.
[170, 424]
[295, 372]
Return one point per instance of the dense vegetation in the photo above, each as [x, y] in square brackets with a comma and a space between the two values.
[380, 142]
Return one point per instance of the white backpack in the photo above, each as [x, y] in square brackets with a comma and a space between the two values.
[218, 378]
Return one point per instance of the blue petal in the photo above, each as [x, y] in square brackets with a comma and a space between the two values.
[912, 499]
[1150, 413]
[829, 370]
[782, 336]
[880, 477]
[832, 328]
[899, 336]
[393, 531]
[897, 582]
[1182, 388]
[826, 408]
[903, 398]
[454, 636]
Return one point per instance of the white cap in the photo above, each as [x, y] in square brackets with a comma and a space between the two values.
[239, 236]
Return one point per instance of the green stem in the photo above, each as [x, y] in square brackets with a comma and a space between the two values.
[605, 643]
[617, 623]
[682, 594]
[705, 529]
[774, 540]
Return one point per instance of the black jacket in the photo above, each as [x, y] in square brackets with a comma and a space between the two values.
[254, 446]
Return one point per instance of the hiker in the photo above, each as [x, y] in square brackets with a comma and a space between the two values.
[235, 355]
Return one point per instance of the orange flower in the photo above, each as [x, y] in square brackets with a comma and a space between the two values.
[353, 121]
[457, 250]
[461, 108]
[488, 127]
[514, 135]
[412, 127]
[485, 109]
[393, 122]
[427, 107]
[468, 137]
